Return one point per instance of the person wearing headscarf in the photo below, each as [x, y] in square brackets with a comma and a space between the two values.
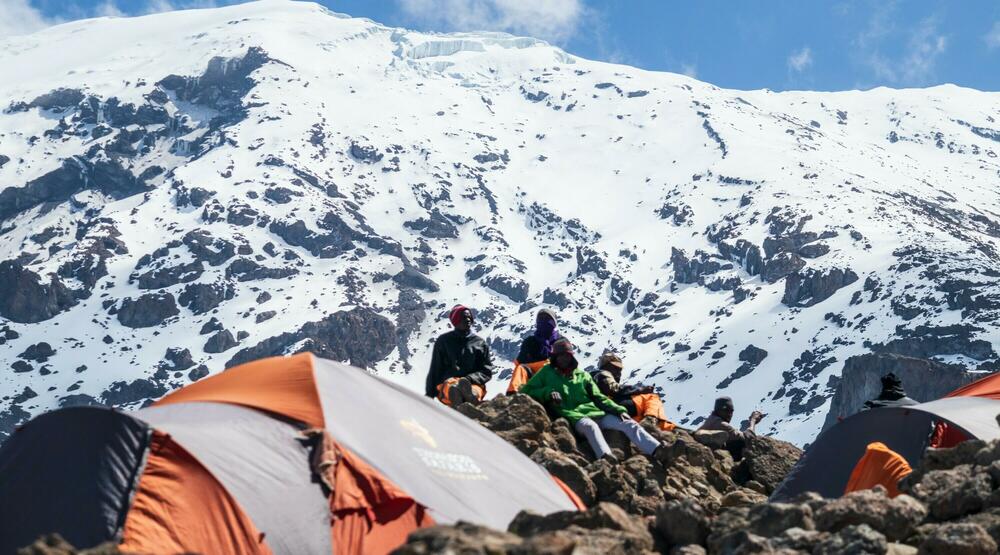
[461, 363]
[535, 350]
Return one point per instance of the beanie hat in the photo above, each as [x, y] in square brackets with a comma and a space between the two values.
[455, 316]
[723, 403]
[562, 346]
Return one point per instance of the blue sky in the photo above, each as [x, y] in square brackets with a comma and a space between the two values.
[819, 45]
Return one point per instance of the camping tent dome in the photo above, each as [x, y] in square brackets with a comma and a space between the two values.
[825, 466]
[282, 455]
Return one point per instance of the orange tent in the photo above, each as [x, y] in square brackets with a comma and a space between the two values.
[878, 466]
[988, 387]
[281, 455]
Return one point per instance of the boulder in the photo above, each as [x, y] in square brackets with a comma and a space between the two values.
[853, 540]
[462, 538]
[565, 469]
[767, 461]
[604, 516]
[958, 539]
[896, 518]
[682, 522]
[149, 310]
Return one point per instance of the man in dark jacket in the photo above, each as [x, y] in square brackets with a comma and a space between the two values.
[892, 394]
[461, 363]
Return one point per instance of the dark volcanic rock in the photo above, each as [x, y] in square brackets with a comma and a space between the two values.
[411, 277]
[25, 299]
[149, 310]
[360, 335]
[122, 393]
[244, 269]
[689, 270]
[782, 265]
[812, 286]
[767, 461]
[176, 359]
[513, 288]
[203, 297]
[39, 352]
[171, 275]
[207, 248]
[76, 174]
[220, 342]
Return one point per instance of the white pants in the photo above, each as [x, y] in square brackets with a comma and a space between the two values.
[591, 430]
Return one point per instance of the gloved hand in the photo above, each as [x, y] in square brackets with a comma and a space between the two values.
[623, 416]
[555, 398]
[756, 416]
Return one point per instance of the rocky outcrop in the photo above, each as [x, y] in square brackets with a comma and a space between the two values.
[923, 379]
[24, 298]
[360, 336]
[149, 310]
[813, 286]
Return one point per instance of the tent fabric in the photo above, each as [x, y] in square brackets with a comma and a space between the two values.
[878, 466]
[825, 466]
[72, 472]
[260, 462]
[988, 387]
[281, 385]
[447, 462]
[372, 515]
[180, 508]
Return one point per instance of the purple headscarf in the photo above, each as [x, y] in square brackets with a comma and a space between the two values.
[545, 331]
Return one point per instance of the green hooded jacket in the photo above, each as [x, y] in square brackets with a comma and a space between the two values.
[580, 396]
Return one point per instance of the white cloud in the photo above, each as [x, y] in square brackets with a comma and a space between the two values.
[993, 37]
[18, 17]
[799, 61]
[108, 9]
[552, 20]
[920, 47]
[691, 70]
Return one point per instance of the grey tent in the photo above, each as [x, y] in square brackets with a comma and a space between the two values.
[282, 455]
[826, 465]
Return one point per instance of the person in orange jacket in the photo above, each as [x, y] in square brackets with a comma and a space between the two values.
[640, 400]
[535, 350]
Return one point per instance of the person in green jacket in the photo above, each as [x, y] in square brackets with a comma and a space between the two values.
[562, 385]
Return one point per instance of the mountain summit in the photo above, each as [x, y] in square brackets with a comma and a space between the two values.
[186, 191]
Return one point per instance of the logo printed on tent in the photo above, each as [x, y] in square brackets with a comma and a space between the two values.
[453, 465]
[419, 431]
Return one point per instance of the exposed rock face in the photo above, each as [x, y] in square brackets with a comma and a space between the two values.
[149, 310]
[25, 299]
[923, 379]
[360, 336]
[812, 286]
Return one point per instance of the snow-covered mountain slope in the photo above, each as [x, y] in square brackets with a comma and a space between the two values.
[187, 190]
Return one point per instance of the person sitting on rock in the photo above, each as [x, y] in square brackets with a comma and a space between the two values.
[535, 350]
[640, 400]
[720, 420]
[461, 363]
[892, 394]
[572, 394]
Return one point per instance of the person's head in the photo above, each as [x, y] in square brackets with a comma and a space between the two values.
[545, 322]
[891, 381]
[461, 317]
[563, 357]
[724, 408]
[611, 362]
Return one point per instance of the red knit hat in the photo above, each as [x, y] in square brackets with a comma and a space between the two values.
[455, 316]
